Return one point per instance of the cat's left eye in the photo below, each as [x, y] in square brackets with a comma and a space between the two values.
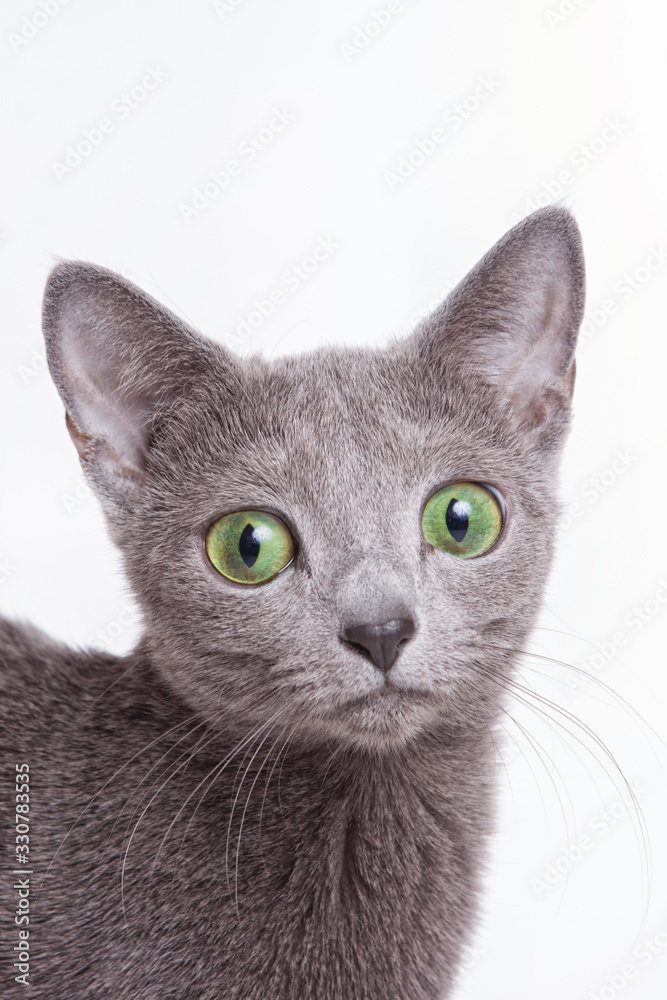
[249, 546]
[464, 519]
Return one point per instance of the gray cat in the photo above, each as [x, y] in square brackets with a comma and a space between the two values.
[285, 792]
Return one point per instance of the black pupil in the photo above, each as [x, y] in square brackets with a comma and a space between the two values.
[456, 519]
[248, 545]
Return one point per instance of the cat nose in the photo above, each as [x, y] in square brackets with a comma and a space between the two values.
[380, 642]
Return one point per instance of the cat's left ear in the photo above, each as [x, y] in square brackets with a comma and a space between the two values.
[119, 361]
[511, 326]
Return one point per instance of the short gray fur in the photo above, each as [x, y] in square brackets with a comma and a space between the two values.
[349, 866]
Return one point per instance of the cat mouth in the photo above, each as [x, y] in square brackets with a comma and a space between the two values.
[387, 707]
[388, 716]
[388, 694]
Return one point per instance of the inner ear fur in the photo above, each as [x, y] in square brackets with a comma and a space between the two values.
[511, 325]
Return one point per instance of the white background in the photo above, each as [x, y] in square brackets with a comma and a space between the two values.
[552, 105]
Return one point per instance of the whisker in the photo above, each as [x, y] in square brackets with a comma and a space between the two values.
[499, 758]
[539, 751]
[106, 690]
[211, 777]
[618, 698]
[511, 685]
[641, 821]
[268, 781]
[238, 843]
[332, 757]
[156, 764]
[106, 783]
[137, 824]
[280, 774]
[201, 745]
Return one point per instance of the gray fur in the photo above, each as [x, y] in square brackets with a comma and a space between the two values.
[339, 851]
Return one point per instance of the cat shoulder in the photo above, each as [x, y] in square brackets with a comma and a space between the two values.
[38, 673]
[51, 689]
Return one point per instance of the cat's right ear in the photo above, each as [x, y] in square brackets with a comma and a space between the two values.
[118, 359]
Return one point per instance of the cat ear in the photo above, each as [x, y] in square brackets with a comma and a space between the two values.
[117, 358]
[512, 323]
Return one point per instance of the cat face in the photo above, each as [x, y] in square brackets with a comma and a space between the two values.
[366, 623]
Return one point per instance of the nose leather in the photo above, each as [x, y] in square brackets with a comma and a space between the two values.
[380, 642]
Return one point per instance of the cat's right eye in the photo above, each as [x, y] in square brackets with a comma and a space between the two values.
[249, 546]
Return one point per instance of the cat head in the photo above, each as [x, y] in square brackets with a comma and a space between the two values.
[348, 544]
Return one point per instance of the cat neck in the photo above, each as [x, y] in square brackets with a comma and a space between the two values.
[375, 856]
[358, 866]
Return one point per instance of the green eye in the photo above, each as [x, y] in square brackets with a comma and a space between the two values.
[464, 519]
[249, 546]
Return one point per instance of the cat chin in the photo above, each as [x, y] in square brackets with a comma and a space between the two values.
[390, 718]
